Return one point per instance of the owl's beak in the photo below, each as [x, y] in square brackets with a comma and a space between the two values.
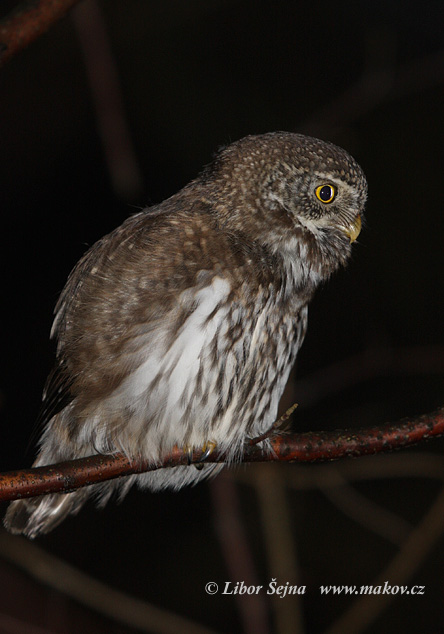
[353, 230]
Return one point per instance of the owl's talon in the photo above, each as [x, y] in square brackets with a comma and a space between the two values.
[207, 449]
[188, 451]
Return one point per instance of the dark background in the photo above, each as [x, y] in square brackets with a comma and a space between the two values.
[368, 75]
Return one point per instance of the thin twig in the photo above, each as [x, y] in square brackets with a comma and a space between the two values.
[88, 591]
[365, 511]
[236, 550]
[281, 549]
[333, 480]
[374, 88]
[418, 465]
[28, 22]
[367, 365]
[308, 447]
[106, 93]
[12, 625]
[419, 543]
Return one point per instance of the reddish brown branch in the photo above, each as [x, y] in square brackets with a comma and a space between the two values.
[308, 447]
[27, 22]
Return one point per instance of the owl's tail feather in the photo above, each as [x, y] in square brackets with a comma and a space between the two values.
[36, 516]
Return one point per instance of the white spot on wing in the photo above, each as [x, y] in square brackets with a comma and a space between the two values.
[164, 383]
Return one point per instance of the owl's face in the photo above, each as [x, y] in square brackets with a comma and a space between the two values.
[297, 195]
[322, 196]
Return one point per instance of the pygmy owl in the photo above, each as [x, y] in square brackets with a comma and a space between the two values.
[181, 326]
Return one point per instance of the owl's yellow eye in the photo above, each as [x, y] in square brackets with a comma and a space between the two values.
[325, 193]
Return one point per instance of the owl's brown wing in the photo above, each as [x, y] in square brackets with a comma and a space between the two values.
[119, 293]
[94, 259]
[137, 299]
[57, 393]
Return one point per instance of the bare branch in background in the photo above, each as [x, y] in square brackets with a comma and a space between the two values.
[375, 87]
[281, 548]
[27, 23]
[90, 592]
[367, 365]
[236, 549]
[414, 549]
[106, 93]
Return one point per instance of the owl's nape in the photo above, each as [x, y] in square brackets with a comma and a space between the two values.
[180, 327]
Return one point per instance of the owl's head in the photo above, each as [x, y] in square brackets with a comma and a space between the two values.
[292, 192]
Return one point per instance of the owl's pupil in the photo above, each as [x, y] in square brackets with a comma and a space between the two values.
[325, 193]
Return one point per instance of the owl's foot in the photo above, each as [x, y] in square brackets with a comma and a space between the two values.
[278, 425]
[207, 450]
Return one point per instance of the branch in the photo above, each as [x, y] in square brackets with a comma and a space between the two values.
[106, 93]
[374, 88]
[307, 447]
[28, 22]
[115, 605]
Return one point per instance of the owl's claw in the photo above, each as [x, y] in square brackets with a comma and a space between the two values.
[188, 451]
[207, 450]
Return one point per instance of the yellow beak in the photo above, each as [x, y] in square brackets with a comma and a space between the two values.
[354, 229]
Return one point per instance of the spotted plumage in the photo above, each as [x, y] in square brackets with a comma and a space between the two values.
[181, 326]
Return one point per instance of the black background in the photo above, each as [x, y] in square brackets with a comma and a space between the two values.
[194, 75]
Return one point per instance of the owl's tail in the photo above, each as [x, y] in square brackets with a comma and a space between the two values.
[36, 516]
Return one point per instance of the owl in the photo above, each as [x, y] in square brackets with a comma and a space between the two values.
[181, 326]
